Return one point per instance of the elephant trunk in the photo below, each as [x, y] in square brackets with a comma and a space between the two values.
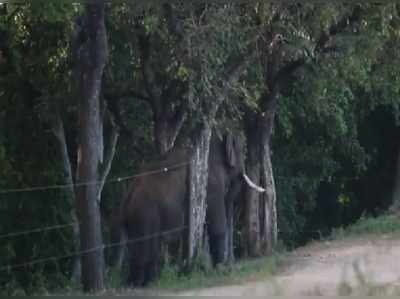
[253, 185]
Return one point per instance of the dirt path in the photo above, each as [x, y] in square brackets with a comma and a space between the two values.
[328, 268]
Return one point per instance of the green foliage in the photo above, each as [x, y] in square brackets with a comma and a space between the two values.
[324, 144]
[387, 224]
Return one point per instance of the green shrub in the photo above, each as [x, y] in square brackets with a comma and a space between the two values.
[387, 224]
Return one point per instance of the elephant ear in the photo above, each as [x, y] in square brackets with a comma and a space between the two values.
[230, 151]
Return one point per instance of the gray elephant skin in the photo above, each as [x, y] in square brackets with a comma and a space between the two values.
[153, 211]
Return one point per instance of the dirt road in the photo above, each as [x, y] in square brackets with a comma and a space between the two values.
[329, 268]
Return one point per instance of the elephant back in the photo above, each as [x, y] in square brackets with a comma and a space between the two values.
[163, 188]
[173, 159]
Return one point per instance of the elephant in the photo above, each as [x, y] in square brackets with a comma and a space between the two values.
[155, 208]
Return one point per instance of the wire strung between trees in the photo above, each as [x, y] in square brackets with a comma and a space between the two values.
[115, 180]
[62, 226]
[38, 230]
[121, 179]
[93, 249]
[107, 246]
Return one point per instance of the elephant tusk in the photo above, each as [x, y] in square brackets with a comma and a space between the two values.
[252, 185]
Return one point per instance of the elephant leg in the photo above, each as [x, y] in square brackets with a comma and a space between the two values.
[152, 270]
[217, 247]
[138, 256]
[229, 235]
[216, 224]
[143, 258]
[136, 276]
[144, 244]
[136, 273]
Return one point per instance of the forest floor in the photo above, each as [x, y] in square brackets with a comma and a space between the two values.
[367, 265]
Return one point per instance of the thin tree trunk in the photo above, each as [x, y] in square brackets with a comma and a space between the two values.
[108, 160]
[93, 55]
[268, 199]
[161, 140]
[59, 132]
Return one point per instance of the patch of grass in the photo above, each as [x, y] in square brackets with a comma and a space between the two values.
[243, 271]
[387, 224]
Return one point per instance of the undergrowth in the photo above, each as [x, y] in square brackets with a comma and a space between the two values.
[240, 272]
[386, 224]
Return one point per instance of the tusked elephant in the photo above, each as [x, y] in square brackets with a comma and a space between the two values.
[154, 209]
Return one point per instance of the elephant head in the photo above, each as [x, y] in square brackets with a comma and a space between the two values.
[225, 182]
[158, 203]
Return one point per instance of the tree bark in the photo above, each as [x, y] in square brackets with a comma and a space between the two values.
[92, 58]
[197, 193]
[260, 215]
[269, 228]
[252, 217]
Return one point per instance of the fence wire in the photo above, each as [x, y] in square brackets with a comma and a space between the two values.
[114, 180]
[63, 226]
[38, 230]
[93, 249]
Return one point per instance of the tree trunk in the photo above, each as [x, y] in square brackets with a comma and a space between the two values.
[92, 60]
[252, 206]
[260, 215]
[269, 228]
[198, 179]
[59, 132]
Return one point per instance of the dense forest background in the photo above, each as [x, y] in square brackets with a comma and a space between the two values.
[328, 73]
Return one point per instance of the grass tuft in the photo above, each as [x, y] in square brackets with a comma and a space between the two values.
[240, 272]
[387, 224]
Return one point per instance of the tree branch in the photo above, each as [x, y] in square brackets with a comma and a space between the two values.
[59, 132]
[338, 28]
[177, 121]
[109, 158]
[144, 45]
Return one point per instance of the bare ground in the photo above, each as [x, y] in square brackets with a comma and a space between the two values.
[328, 268]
